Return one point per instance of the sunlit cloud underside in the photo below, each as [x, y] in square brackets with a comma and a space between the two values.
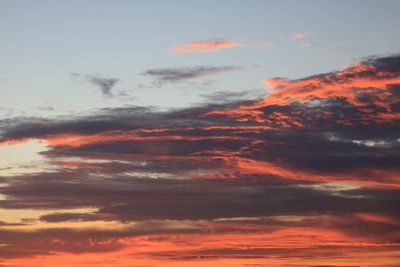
[307, 175]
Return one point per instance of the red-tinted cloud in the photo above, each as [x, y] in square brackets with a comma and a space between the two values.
[364, 86]
[274, 242]
[308, 175]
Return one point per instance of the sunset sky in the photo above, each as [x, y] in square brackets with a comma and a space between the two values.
[199, 133]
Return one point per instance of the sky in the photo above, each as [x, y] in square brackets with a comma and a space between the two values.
[192, 133]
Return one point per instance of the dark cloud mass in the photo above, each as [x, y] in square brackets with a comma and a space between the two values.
[310, 168]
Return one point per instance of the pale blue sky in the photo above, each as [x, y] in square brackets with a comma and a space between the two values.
[43, 42]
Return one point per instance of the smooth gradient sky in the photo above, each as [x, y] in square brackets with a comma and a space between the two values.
[192, 133]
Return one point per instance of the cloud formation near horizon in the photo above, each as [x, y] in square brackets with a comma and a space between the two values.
[316, 158]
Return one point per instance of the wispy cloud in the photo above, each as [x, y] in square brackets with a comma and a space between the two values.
[229, 96]
[211, 45]
[296, 36]
[307, 45]
[104, 84]
[180, 74]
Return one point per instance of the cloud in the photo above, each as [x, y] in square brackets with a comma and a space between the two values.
[133, 198]
[104, 84]
[307, 45]
[211, 45]
[175, 75]
[326, 219]
[231, 97]
[296, 36]
[364, 92]
[315, 158]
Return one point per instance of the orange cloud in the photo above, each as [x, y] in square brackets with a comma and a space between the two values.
[235, 164]
[76, 140]
[108, 137]
[307, 45]
[211, 45]
[261, 245]
[373, 217]
[349, 83]
[13, 142]
[352, 84]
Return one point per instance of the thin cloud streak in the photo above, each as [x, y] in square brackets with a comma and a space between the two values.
[211, 45]
[296, 36]
[181, 74]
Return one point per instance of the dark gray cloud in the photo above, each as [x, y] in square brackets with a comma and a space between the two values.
[180, 74]
[63, 217]
[105, 85]
[44, 242]
[123, 197]
[229, 96]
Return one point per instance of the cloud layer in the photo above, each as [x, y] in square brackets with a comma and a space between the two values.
[309, 169]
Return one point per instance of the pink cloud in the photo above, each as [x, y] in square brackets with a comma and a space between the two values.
[211, 45]
[307, 45]
[296, 36]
